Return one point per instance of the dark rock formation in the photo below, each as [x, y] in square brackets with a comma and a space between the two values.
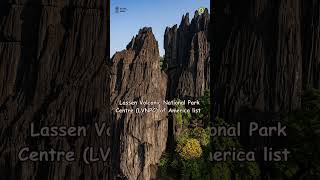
[52, 73]
[141, 138]
[258, 56]
[265, 54]
[187, 55]
[311, 43]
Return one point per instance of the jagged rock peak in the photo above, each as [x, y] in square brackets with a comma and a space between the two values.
[145, 36]
[173, 28]
[185, 21]
[200, 22]
[140, 139]
[205, 14]
[145, 30]
[187, 56]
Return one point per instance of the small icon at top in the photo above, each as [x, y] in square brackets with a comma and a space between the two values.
[201, 10]
[120, 9]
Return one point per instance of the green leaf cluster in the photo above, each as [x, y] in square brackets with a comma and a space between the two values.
[188, 159]
[182, 118]
[204, 106]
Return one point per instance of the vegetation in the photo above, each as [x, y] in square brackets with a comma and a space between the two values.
[231, 169]
[190, 160]
[182, 118]
[190, 149]
[163, 64]
[205, 107]
[303, 141]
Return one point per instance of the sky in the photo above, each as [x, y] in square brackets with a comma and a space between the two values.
[157, 14]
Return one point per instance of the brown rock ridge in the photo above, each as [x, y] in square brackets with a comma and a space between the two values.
[52, 73]
[187, 56]
[140, 138]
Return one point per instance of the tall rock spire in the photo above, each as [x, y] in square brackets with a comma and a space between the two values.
[140, 138]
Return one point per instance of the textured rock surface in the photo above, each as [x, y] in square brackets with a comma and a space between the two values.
[258, 56]
[52, 72]
[265, 53]
[136, 76]
[187, 55]
[311, 43]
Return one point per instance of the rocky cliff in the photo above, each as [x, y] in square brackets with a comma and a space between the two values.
[310, 27]
[266, 53]
[259, 55]
[187, 56]
[140, 138]
[52, 73]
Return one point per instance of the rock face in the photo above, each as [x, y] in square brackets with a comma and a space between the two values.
[311, 43]
[187, 55]
[258, 56]
[141, 138]
[52, 73]
[265, 54]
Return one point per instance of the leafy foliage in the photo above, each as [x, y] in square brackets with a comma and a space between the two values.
[190, 160]
[303, 141]
[203, 135]
[228, 169]
[205, 106]
[303, 126]
[182, 118]
[191, 149]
